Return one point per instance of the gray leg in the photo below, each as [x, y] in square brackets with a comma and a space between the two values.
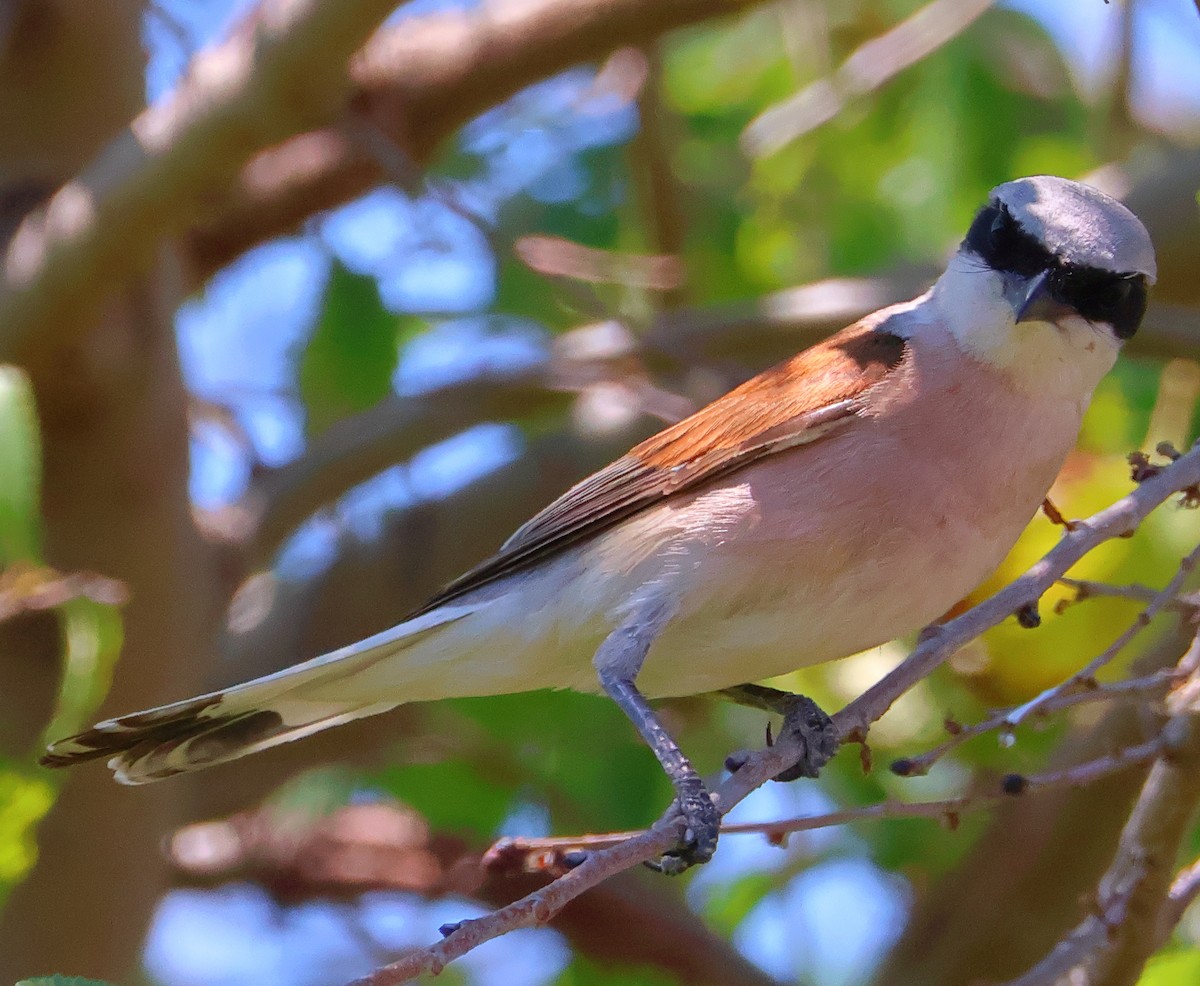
[618, 662]
[801, 716]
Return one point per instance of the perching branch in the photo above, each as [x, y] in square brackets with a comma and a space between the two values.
[1080, 688]
[358, 848]
[1119, 520]
[852, 723]
[554, 851]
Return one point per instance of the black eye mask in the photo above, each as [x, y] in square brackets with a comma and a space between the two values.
[1097, 295]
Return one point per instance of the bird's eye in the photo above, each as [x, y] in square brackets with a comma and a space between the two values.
[1111, 295]
[992, 236]
[1101, 296]
[998, 239]
[1000, 234]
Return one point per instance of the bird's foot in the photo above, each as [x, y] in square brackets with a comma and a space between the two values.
[807, 721]
[802, 718]
[702, 826]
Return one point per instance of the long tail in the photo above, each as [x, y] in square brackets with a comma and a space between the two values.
[222, 726]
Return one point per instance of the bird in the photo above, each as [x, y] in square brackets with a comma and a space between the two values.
[846, 497]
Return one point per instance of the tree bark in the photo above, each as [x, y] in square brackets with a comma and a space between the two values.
[114, 434]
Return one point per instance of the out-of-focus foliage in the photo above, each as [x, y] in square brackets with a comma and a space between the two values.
[91, 631]
[1172, 969]
[24, 800]
[350, 357]
[20, 471]
[902, 172]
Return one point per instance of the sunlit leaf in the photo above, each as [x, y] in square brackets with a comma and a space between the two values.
[25, 797]
[1180, 968]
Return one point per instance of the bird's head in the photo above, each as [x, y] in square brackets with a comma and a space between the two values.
[1050, 279]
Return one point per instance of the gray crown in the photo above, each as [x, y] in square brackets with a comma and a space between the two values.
[1079, 223]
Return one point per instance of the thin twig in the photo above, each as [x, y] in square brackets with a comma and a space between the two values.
[1086, 677]
[555, 847]
[918, 765]
[1135, 592]
[1054, 515]
[1185, 889]
[852, 723]
[868, 68]
[1011, 786]
[29, 588]
[541, 905]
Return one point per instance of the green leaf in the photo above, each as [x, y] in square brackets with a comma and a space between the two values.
[521, 291]
[452, 796]
[92, 635]
[582, 972]
[20, 470]
[1173, 969]
[348, 363]
[25, 797]
[315, 793]
[579, 747]
[729, 908]
[713, 68]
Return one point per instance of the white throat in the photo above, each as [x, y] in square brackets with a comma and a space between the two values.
[1068, 357]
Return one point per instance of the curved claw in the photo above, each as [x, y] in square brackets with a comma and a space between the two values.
[699, 841]
[815, 730]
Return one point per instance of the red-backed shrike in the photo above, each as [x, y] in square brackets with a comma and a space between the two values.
[847, 496]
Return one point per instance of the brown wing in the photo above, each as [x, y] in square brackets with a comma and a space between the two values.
[791, 404]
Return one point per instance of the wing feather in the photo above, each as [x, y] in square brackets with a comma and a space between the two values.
[795, 403]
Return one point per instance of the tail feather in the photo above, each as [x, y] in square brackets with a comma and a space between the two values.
[221, 726]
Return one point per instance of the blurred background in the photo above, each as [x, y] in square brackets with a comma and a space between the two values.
[390, 346]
